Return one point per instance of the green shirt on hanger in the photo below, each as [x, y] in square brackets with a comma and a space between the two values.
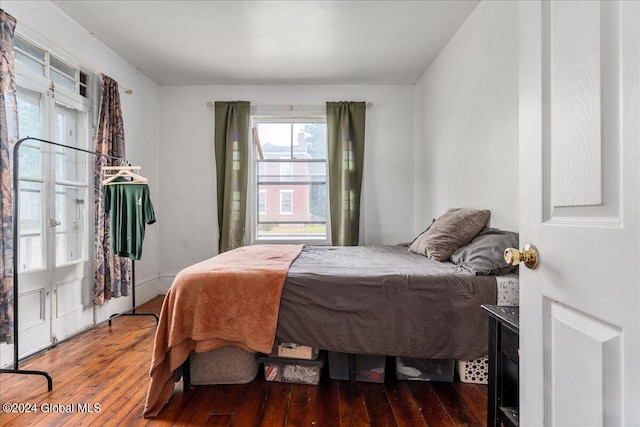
[130, 209]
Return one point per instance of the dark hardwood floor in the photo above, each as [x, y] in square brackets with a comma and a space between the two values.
[105, 370]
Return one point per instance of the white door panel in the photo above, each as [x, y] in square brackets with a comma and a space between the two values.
[71, 314]
[580, 206]
[34, 321]
[594, 365]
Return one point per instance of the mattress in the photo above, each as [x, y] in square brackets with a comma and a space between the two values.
[384, 300]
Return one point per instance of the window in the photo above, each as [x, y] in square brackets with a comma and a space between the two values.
[290, 181]
[262, 202]
[286, 202]
[43, 63]
[53, 180]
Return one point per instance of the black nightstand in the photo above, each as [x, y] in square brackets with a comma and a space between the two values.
[503, 397]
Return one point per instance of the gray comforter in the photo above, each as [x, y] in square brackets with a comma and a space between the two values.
[384, 300]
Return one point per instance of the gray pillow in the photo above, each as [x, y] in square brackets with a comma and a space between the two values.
[485, 254]
[454, 229]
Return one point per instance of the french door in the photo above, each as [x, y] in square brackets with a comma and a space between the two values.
[55, 221]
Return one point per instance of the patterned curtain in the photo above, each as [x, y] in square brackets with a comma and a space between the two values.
[112, 273]
[8, 138]
[345, 138]
[232, 171]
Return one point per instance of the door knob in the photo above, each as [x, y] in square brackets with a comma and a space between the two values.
[528, 255]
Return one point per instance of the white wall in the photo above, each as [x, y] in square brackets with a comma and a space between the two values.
[451, 140]
[140, 113]
[467, 121]
[189, 231]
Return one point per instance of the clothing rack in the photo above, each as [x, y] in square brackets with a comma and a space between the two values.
[111, 171]
[133, 299]
[16, 237]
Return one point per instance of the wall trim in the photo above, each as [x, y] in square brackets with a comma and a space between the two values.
[164, 283]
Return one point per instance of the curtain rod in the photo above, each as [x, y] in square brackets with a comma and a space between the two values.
[210, 104]
[66, 52]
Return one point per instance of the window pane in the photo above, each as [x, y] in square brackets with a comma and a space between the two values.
[275, 139]
[30, 226]
[71, 165]
[29, 114]
[292, 206]
[293, 140]
[71, 213]
[29, 48]
[32, 57]
[30, 63]
[62, 80]
[65, 69]
[30, 162]
[313, 136]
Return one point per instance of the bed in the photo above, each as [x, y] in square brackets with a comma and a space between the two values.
[384, 300]
[378, 300]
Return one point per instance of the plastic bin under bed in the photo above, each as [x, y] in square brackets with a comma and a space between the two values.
[408, 368]
[298, 371]
[368, 368]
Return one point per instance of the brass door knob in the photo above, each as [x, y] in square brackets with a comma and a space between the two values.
[528, 255]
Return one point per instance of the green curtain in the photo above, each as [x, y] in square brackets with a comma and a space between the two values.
[232, 171]
[345, 138]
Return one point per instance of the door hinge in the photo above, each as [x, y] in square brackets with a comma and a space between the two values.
[54, 340]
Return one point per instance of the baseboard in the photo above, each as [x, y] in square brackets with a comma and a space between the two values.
[145, 291]
[164, 283]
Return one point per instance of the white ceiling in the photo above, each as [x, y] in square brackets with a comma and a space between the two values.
[274, 42]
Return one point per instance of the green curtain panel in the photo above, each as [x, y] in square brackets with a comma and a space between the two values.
[232, 171]
[8, 138]
[112, 273]
[345, 138]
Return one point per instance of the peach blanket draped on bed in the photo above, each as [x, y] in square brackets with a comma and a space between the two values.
[230, 299]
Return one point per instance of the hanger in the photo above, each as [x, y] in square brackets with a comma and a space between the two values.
[124, 172]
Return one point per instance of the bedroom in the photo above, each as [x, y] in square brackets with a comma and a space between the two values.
[473, 81]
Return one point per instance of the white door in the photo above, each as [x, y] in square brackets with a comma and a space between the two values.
[54, 221]
[580, 206]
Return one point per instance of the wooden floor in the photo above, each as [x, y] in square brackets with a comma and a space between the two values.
[105, 371]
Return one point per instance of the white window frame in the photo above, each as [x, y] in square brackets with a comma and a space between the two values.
[53, 94]
[280, 114]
